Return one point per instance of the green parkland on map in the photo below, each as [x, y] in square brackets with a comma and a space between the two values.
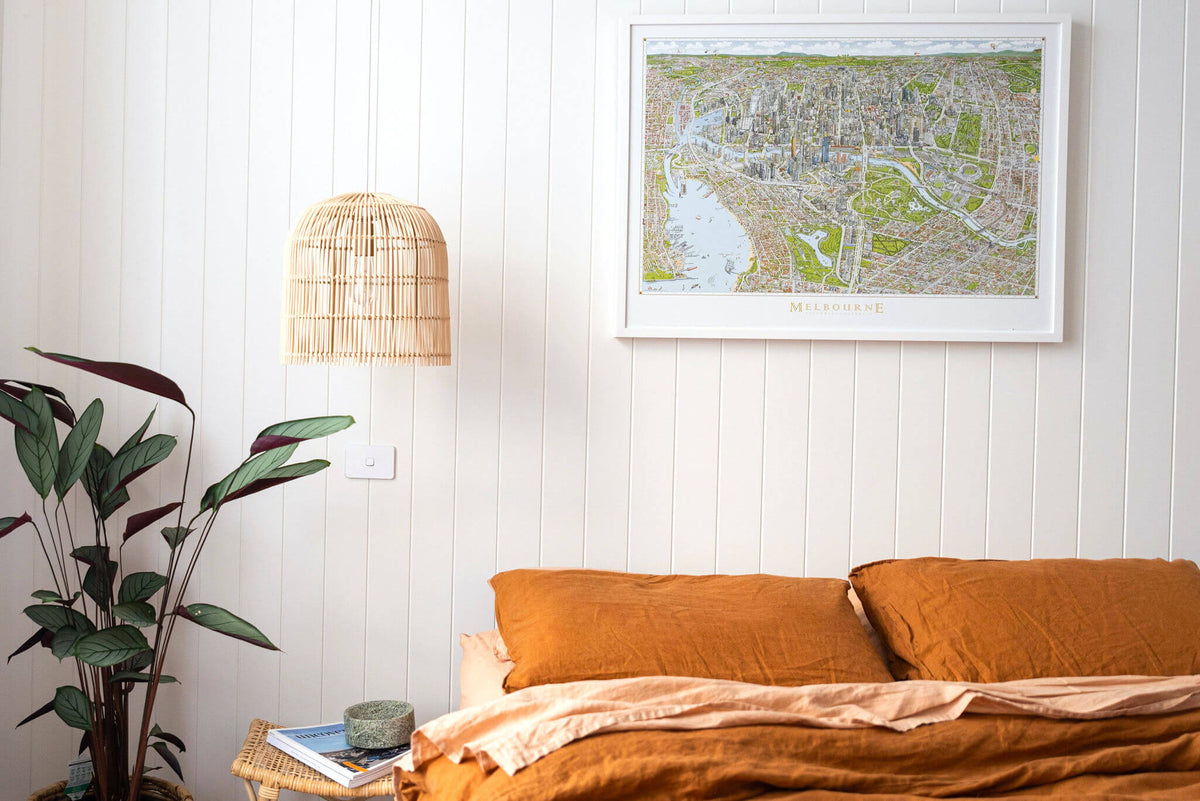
[866, 166]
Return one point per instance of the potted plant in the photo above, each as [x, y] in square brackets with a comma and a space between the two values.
[116, 626]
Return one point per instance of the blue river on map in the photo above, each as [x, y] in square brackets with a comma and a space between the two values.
[714, 244]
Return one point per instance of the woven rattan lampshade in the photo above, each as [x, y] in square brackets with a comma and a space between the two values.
[365, 282]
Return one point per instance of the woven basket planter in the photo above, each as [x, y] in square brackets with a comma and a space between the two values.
[152, 790]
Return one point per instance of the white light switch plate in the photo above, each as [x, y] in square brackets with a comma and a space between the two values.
[370, 461]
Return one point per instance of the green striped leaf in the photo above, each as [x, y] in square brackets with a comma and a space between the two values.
[280, 475]
[136, 436]
[17, 413]
[247, 474]
[224, 622]
[293, 431]
[175, 535]
[139, 613]
[133, 675]
[53, 617]
[128, 465]
[63, 644]
[73, 707]
[140, 586]
[37, 449]
[77, 447]
[111, 646]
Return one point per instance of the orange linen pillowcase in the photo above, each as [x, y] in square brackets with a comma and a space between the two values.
[574, 625]
[485, 663]
[988, 621]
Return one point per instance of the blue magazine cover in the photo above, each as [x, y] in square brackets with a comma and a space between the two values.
[324, 748]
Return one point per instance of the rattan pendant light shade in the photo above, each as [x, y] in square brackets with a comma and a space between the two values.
[365, 282]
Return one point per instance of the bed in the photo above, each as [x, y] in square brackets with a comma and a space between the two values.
[918, 678]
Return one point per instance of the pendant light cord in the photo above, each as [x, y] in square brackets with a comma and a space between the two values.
[372, 146]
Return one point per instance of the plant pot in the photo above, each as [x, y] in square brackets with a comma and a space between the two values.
[152, 790]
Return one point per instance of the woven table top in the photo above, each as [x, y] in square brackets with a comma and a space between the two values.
[266, 764]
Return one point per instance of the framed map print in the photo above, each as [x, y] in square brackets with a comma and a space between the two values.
[892, 178]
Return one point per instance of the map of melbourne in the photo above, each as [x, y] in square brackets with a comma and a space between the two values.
[869, 166]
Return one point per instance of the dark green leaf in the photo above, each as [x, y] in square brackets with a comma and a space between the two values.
[131, 375]
[98, 583]
[245, 475]
[114, 502]
[168, 757]
[42, 635]
[91, 554]
[10, 524]
[140, 661]
[44, 709]
[175, 535]
[64, 641]
[140, 586]
[293, 431]
[93, 475]
[133, 675]
[170, 738]
[53, 617]
[142, 519]
[17, 413]
[139, 613]
[73, 707]
[93, 482]
[128, 465]
[280, 475]
[136, 437]
[37, 450]
[47, 596]
[77, 447]
[224, 622]
[110, 646]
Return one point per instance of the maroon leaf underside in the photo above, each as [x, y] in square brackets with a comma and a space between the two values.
[131, 375]
[258, 486]
[57, 400]
[142, 519]
[47, 708]
[41, 637]
[272, 441]
[16, 524]
[127, 480]
[171, 760]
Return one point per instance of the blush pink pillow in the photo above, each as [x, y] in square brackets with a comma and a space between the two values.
[485, 663]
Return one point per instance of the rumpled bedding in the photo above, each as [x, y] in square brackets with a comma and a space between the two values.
[681, 738]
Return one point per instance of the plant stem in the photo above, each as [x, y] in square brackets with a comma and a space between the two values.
[62, 591]
[160, 641]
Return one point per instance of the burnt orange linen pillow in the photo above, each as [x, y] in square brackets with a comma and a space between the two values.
[987, 621]
[572, 625]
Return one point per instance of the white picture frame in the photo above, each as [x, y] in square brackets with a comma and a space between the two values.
[836, 309]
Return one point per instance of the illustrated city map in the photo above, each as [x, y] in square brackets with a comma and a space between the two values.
[869, 166]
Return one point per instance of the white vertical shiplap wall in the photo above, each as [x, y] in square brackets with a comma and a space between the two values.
[153, 156]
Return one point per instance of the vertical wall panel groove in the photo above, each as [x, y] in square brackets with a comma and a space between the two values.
[1106, 326]
[1185, 501]
[1154, 281]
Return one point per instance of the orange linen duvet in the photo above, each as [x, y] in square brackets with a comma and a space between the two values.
[672, 738]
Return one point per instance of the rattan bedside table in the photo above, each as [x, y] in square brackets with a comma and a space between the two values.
[274, 771]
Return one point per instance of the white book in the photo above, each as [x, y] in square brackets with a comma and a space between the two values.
[324, 748]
